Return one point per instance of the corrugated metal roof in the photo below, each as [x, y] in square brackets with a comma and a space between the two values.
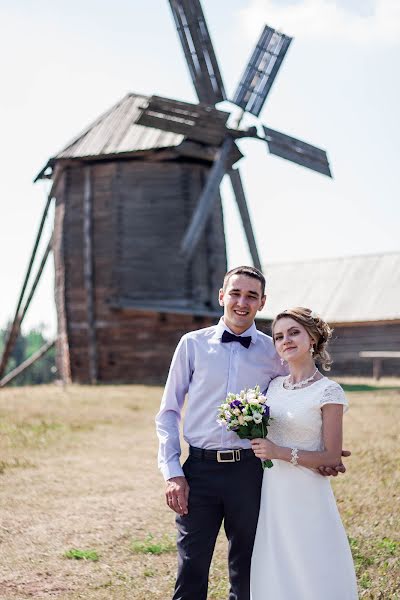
[116, 132]
[349, 289]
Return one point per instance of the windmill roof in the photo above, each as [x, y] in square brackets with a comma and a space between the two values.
[342, 290]
[116, 132]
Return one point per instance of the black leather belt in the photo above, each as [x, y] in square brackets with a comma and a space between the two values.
[222, 456]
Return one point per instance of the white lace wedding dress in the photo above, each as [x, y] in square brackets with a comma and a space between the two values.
[301, 550]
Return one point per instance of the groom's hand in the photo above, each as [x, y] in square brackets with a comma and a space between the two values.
[177, 494]
[334, 471]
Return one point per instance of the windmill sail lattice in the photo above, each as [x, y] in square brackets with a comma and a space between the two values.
[252, 91]
[261, 70]
[199, 52]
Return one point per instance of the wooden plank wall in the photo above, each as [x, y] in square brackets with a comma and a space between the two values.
[155, 204]
[349, 340]
[142, 345]
[139, 213]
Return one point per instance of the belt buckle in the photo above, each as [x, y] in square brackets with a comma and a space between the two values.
[226, 460]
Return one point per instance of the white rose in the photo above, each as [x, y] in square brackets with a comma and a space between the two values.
[257, 417]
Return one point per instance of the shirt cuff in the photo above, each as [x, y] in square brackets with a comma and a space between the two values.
[173, 469]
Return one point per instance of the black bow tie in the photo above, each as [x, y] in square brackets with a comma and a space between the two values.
[229, 337]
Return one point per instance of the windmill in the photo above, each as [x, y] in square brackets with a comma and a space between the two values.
[138, 239]
[250, 95]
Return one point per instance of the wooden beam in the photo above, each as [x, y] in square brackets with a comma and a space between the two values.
[37, 278]
[127, 305]
[27, 363]
[207, 200]
[12, 335]
[13, 331]
[88, 273]
[63, 358]
[238, 191]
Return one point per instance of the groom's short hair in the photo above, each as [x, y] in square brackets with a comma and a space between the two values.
[249, 272]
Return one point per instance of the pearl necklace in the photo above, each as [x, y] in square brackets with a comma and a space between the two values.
[293, 386]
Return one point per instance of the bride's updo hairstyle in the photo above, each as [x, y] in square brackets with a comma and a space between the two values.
[317, 329]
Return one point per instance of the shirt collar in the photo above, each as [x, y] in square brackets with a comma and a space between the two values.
[221, 327]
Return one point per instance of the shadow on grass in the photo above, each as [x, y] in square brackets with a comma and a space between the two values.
[364, 387]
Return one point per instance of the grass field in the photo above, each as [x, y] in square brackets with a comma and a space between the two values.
[82, 508]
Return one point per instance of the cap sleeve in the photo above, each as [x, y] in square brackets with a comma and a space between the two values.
[334, 394]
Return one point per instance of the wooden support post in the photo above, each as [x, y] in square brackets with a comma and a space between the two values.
[35, 247]
[88, 274]
[37, 278]
[11, 338]
[27, 363]
[376, 368]
[62, 347]
[238, 191]
[20, 314]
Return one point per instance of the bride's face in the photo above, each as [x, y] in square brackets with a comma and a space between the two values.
[292, 340]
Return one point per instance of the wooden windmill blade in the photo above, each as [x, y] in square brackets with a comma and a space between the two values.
[198, 49]
[261, 70]
[297, 151]
[238, 191]
[206, 200]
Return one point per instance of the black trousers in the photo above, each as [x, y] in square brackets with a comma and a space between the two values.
[219, 492]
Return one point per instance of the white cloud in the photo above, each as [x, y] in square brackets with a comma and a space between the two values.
[325, 19]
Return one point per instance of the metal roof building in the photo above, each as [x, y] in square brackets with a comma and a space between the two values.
[350, 289]
[358, 295]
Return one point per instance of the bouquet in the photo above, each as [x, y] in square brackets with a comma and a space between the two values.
[247, 414]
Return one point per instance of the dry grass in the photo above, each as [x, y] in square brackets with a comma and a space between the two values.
[78, 479]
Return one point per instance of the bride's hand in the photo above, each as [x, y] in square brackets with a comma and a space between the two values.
[334, 471]
[264, 448]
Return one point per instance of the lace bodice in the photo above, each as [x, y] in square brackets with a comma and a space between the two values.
[297, 416]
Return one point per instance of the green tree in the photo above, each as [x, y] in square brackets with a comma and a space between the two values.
[42, 371]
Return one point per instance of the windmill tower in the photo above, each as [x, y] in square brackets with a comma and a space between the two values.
[138, 242]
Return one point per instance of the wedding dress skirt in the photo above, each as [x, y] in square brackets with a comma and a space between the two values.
[301, 550]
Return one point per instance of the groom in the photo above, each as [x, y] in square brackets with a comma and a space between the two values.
[221, 479]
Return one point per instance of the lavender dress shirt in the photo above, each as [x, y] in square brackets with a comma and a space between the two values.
[207, 370]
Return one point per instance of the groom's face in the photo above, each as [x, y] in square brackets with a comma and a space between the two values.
[241, 299]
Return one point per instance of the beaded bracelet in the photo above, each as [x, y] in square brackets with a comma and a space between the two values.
[295, 456]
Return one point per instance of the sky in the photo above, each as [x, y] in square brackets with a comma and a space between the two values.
[64, 63]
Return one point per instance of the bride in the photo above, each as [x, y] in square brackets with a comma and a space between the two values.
[301, 550]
